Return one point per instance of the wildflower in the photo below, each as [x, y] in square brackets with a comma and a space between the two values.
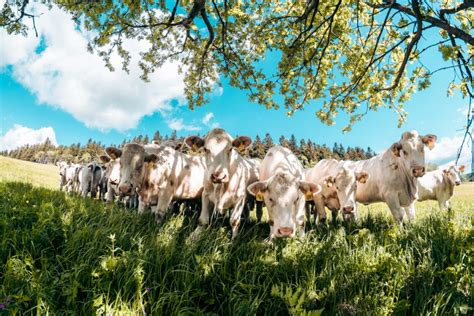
[2, 306]
[148, 289]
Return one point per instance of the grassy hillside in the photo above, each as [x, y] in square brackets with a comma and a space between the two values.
[65, 255]
[25, 171]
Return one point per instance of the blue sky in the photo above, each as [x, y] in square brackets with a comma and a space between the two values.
[50, 82]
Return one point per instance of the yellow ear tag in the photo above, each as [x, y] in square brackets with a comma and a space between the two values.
[309, 196]
[241, 147]
[259, 196]
[195, 147]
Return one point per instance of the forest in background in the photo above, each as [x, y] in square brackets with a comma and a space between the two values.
[307, 150]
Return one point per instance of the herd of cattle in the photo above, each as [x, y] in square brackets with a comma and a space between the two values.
[154, 176]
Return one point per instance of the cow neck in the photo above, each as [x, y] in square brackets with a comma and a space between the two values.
[449, 183]
[410, 180]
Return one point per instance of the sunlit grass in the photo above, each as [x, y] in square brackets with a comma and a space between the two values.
[26, 171]
[65, 255]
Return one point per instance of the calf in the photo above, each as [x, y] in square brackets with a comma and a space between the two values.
[227, 175]
[170, 175]
[339, 185]
[71, 177]
[282, 188]
[393, 173]
[438, 186]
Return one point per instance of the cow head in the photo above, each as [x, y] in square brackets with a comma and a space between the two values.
[113, 168]
[132, 161]
[218, 146]
[282, 194]
[344, 187]
[453, 174]
[411, 152]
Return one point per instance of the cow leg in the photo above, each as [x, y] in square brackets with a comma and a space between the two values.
[410, 211]
[394, 206]
[204, 217]
[259, 210]
[142, 206]
[109, 197]
[307, 207]
[319, 205]
[334, 216]
[164, 201]
[236, 216]
[300, 214]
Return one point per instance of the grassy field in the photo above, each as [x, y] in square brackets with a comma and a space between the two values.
[65, 255]
[30, 172]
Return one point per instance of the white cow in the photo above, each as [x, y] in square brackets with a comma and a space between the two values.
[339, 185]
[281, 185]
[71, 177]
[438, 186]
[63, 165]
[169, 175]
[112, 173]
[393, 173]
[227, 175]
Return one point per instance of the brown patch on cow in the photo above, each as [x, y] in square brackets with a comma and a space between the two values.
[171, 182]
[270, 222]
[187, 167]
[235, 222]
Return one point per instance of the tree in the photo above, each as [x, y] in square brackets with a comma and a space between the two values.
[353, 55]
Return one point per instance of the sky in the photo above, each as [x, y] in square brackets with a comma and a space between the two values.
[51, 87]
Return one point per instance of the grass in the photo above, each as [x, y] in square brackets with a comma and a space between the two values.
[30, 172]
[61, 254]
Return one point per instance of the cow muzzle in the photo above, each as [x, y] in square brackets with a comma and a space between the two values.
[457, 182]
[418, 172]
[285, 232]
[348, 209]
[125, 188]
[219, 177]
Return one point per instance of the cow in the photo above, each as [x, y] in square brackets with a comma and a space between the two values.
[339, 185]
[169, 175]
[112, 173]
[438, 186]
[63, 165]
[393, 173]
[89, 178]
[227, 175]
[71, 177]
[281, 185]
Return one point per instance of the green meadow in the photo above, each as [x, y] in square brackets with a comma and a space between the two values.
[60, 254]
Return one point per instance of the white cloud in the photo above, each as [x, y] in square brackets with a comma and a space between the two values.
[178, 125]
[57, 68]
[206, 120]
[20, 135]
[445, 152]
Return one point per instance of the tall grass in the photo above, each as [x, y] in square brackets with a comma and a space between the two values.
[65, 255]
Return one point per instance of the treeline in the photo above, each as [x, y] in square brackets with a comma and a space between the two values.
[306, 150]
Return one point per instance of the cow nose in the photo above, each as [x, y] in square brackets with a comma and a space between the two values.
[348, 209]
[285, 231]
[458, 182]
[418, 172]
[125, 188]
[218, 177]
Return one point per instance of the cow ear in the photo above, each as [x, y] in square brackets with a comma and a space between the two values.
[257, 189]
[113, 152]
[104, 159]
[462, 168]
[241, 142]
[362, 177]
[309, 189]
[429, 140]
[194, 142]
[151, 158]
[396, 148]
[446, 172]
[329, 181]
